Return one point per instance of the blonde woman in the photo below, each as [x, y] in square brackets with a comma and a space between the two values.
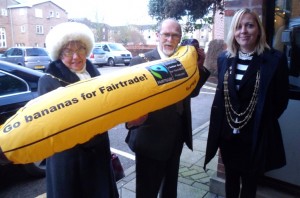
[252, 94]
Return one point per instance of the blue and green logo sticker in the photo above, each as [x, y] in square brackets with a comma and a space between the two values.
[168, 71]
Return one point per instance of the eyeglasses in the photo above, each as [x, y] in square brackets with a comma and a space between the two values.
[168, 35]
[69, 53]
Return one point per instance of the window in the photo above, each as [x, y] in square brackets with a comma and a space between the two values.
[51, 14]
[287, 39]
[2, 38]
[57, 15]
[22, 28]
[39, 29]
[11, 85]
[4, 12]
[36, 52]
[38, 13]
[19, 44]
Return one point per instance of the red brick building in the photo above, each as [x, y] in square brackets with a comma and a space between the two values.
[27, 24]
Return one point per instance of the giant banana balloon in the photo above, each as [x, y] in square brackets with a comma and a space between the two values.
[72, 115]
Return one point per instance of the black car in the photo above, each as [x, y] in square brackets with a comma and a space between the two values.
[18, 85]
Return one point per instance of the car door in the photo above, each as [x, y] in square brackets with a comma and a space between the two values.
[99, 55]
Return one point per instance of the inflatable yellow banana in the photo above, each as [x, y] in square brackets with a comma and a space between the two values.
[74, 114]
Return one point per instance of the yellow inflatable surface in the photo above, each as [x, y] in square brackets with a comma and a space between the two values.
[74, 114]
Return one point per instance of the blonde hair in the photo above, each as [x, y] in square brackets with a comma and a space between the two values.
[233, 46]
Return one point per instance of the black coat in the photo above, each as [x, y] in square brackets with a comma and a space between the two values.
[265, 149]
[156, 137]
[84, 170]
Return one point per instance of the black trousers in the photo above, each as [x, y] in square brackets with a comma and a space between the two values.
[240, 184]
[155, 177]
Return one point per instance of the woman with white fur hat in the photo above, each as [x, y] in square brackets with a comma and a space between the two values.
[86, 169]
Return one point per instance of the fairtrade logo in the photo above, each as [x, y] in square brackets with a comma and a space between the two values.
[159, 71]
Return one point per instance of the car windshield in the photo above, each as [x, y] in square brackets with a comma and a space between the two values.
[36, 52]
[117, 47]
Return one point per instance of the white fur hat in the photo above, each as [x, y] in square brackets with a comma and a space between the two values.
[63, 33]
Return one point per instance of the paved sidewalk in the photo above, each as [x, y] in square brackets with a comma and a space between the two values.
[193, 181]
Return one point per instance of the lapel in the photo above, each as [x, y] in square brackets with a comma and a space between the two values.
[231, 68]
[153, 55]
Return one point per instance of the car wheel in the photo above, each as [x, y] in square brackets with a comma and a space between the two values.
[111, 62]
[127, 64]
[37, 169]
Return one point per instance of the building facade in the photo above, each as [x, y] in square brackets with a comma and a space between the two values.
[27, 24]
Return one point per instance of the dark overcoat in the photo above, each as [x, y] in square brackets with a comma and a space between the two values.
[85, 170]
[158, 135]
[266, 149]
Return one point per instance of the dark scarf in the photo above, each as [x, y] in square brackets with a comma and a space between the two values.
[60, 70]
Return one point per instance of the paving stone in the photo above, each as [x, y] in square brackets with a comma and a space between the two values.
[201, 186]
[183, 169]
[189, 173]
[199, 176]
[186, 191]
[185, 180]
[130, 185]
[125, 193]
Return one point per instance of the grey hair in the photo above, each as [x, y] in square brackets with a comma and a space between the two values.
[159, 25]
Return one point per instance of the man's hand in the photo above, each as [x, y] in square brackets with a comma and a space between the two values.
[137, 121]
[201, 56]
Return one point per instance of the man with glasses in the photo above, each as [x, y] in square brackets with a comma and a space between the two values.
[158, 137]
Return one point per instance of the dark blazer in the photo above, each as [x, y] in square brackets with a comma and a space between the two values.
[156, 137]
[267, 151]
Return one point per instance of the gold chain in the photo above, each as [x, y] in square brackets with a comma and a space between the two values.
[58, 79]
[248, 111]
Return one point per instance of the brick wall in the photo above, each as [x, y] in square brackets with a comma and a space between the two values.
[137, 49]
[296, 8]
[218, 28]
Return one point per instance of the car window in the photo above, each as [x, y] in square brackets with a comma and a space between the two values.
[36, 52]
[105, 48]
[98, 51]
[17, 52]
[10, 84]
[9, 52]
